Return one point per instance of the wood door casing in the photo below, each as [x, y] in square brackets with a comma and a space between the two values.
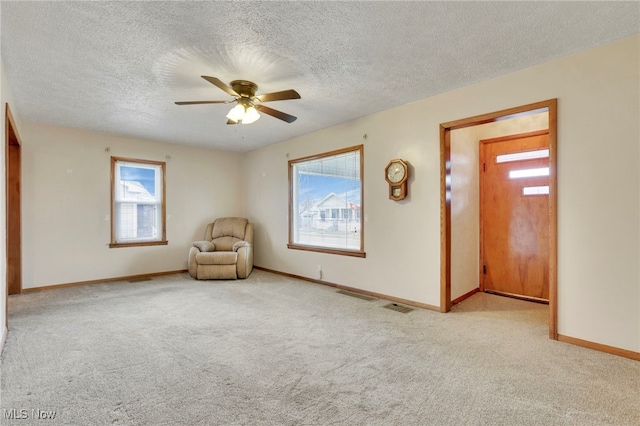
[514, 248]
[13, 207]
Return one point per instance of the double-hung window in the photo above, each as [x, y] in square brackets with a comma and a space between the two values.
[138, 212]
[325, 196]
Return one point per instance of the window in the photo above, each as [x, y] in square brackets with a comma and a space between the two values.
[137, 202]
[325, 196]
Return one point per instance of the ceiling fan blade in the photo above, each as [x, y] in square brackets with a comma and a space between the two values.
[202, 102]
[220, 84]
[279, 96]
[231, 122]
[277, 114]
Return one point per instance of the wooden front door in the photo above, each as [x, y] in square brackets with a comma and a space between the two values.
[514, 215]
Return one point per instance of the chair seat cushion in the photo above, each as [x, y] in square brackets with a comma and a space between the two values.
[217, 258]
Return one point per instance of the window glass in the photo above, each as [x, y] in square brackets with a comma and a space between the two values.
[525, 155]
[535, 190]
[326, 202]
[527, 173]
[138, 204]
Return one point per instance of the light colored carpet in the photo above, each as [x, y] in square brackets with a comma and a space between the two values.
[273, 350]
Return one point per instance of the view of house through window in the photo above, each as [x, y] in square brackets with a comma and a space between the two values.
[326, 202]
[138, 208]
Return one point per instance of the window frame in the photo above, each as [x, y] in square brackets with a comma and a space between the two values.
[163, 204]
[292, 204]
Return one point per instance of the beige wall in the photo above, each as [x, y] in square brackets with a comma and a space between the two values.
[465, 211]
[400, 249]
[6, 97]
[598, 188]
[513, 126]
[66, 203]
[3, 215]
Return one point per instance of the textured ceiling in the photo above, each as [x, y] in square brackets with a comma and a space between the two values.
[118, 66]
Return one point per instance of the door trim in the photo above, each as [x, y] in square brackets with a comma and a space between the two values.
[551, 106]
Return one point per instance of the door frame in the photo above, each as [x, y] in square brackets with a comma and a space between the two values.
[551, 107]
[13, 199]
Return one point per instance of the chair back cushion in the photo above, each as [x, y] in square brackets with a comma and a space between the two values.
[227, 231]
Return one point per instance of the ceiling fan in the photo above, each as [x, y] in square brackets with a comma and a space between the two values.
[247, 103]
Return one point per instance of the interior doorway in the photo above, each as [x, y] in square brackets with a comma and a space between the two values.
[13, 205]
[550, 107]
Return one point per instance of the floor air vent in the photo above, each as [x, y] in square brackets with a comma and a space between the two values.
[398, 308]
[357, 295]
[138, 280]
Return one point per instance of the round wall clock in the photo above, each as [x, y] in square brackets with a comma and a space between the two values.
[396, 174]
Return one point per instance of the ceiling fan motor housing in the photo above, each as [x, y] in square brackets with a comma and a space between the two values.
[244, 88]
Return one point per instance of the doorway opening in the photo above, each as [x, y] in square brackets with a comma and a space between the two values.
[549, 108]
[13, 206]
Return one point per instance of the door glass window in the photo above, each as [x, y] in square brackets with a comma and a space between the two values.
[527, 173]
[535, 190]
[525, 155]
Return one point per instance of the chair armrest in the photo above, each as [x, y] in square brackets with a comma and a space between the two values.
[192, 265]
[204, 246]
[240, 244]
[245, 258]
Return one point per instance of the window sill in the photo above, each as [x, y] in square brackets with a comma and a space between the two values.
[328, 250]
[139, 244]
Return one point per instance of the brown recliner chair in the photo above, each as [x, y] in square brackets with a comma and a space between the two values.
[226, 251]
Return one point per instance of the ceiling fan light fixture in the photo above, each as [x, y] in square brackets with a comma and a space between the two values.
[244, 93]
[250, 115]
[236, 113]
[243, 112]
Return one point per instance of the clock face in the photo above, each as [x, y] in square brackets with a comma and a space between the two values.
[395, 172]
